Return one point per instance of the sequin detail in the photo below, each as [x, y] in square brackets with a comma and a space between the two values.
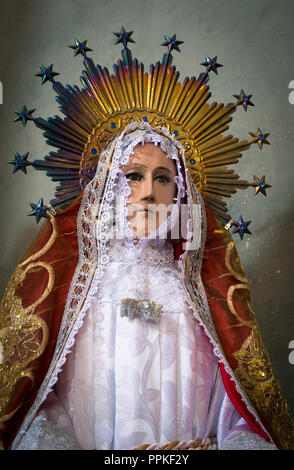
[247, 441]
[43, 434]
[144, 309]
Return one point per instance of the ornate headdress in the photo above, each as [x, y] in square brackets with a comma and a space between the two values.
[107, 103]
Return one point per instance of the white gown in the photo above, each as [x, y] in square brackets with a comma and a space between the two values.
[129, 382]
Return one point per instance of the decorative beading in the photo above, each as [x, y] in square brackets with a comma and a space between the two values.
[247, 441]
[43, 434]
[144, 309]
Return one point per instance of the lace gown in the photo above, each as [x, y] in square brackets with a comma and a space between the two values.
[129, 382]
[139, 382]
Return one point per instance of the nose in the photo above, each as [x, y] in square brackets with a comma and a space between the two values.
[147, 189]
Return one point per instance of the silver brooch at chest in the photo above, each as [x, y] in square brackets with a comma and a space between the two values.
[144, 309]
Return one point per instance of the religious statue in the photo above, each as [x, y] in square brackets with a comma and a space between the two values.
[127, 324]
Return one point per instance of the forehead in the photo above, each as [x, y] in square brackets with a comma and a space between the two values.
[150, 155]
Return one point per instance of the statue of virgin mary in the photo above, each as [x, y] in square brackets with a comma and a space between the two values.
[127, 324]
[137, 358]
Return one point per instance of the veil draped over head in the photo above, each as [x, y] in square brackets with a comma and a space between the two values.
[95, 234]
[53, 287]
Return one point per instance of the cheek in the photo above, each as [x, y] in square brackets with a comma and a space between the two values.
[166, 193]
[132, 198]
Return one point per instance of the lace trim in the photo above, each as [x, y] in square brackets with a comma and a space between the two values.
[151, 255]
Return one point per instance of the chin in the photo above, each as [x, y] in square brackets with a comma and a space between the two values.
[141, 231]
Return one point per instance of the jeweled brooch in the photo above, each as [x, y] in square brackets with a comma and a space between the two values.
[144, 309]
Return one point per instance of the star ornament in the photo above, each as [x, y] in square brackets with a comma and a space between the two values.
[39, 210]
[80, 48]
[260, 185]
[211, 64]
[47, 74]
[244, 99]
[172, 43]
[241, 227]
[124, 37]
[20, 162]
[259, 138]
[24, 115]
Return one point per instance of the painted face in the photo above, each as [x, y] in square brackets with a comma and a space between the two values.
[151, 178]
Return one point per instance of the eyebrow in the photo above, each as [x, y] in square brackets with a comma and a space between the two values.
[163, 168]
[139, 165]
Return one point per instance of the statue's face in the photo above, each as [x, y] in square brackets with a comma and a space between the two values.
[151, 178]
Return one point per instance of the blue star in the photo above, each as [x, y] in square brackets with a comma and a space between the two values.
[80, 48]
[243, 99]
[39, 210]
[123, 37]
[259, 138]
[24, 115]
[20, 162]
[172, 43]
[47, 74]
[260, 185]
[241, 227]
[211, 64]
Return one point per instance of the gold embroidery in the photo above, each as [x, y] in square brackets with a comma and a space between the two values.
[254, 371]
[216, 248]
[65, 234]
[238, 272]
[255, 374]
[215, 278]
[230, 302]
[23, 334]
[47, 246]
[49, 286]
[219, 299]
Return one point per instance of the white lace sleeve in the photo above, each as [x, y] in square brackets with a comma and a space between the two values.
[246, 440]
[233, 432]
[50, 430]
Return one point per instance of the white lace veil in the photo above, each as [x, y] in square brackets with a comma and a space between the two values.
[99, 207]
[111, 220]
